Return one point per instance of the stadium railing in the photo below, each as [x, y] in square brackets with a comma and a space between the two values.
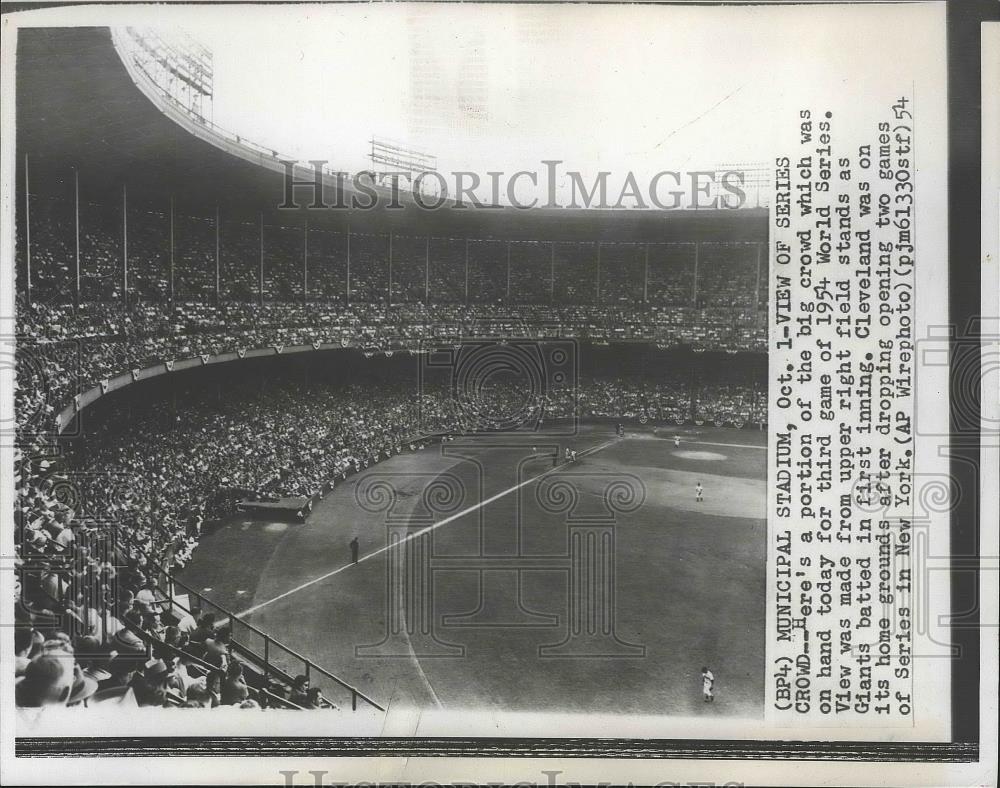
[273, 657]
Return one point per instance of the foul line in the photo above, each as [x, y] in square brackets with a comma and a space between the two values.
[728, 445]
[421, 532]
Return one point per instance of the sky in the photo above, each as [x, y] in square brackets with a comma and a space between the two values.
[503, 86]
[593, 86]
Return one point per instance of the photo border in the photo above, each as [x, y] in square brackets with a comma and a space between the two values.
[964, 18]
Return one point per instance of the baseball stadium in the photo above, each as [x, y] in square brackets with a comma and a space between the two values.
[360, 460]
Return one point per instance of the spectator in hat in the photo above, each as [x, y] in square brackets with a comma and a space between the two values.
[153, 625]
[123, 668]
[125, 640]
[93, 659]
[149, 595]
[150, 686]
[84, 686]
[48, 681]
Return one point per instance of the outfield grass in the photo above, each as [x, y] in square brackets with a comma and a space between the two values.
[688, 583]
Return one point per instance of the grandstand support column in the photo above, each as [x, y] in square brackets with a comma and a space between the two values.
[508, 271]
[389, 286]
[466, 270]
[171, 250]
[347, 282]
[756, 289]
[305, 261]
[260, 273]
[694, 284]
[598, 294]
[645, 276]
[125, 244]
[692, 395]
[427, 270]
[218, 263]
[27, 230]
[552, 273]
[76, 228]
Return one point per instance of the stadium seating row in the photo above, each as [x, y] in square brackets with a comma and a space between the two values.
[221, 258]
[66, 349]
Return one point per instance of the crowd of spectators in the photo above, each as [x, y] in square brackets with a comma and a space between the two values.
[164, 470]
[94, 628]
[155, 473]
[297, 261]
[65, 349]
[677, 400]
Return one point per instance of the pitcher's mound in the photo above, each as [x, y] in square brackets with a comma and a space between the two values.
[690, 454]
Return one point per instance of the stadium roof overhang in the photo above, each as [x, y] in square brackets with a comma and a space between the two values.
[79, 110]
